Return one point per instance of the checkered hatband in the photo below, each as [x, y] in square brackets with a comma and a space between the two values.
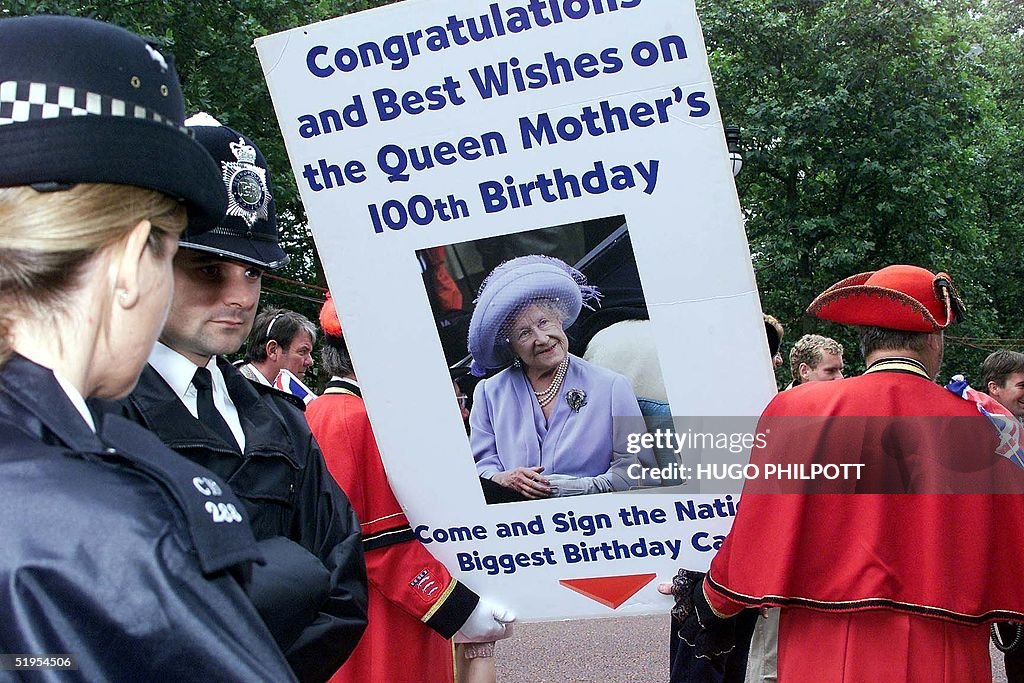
[22, 101]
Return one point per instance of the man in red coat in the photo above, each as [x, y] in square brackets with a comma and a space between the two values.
[415, 604]
[894, 570]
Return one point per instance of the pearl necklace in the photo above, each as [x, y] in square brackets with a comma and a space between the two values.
[548, 395]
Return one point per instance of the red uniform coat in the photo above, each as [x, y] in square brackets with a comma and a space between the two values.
[898, 581]
[415, 604]
[449, 297]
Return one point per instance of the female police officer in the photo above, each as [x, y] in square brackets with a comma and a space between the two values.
[116, 551]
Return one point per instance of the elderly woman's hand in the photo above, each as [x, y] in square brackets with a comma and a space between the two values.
[526, 480]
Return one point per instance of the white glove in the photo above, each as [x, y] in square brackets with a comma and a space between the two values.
[486, 623]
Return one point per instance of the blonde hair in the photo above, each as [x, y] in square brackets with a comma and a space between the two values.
[47, 239]
[811, 349]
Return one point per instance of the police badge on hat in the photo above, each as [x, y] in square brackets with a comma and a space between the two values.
[248, 233]
[248, 194]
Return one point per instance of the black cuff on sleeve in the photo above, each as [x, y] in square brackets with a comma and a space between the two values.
[453, 611]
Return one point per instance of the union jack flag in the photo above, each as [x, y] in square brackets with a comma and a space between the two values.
[1003, 420]
[289, 383]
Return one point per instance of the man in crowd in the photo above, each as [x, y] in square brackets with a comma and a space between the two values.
[280, 340]
[861, 576]
[815, 358]
[280, 350]
[1002, 377]
[312, 593]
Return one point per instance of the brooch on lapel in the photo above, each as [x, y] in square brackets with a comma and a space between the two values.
[576, 398]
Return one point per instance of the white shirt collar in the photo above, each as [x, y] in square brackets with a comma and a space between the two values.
[253, 373]
[76, 400]
[178, 371]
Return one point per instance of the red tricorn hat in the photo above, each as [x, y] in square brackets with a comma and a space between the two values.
[906, 298]
[329, 318]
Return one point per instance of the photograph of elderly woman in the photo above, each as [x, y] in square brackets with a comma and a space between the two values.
[552, 358]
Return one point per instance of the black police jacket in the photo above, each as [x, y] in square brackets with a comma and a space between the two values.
[287, 491]
[109, 551]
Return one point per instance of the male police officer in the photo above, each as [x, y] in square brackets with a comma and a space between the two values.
[253, 436]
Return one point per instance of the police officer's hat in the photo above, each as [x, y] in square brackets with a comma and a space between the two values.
[82, 101]
[248, 232]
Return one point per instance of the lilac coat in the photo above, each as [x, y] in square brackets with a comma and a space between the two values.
[577, 449]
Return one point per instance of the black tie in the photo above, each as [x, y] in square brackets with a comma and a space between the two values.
[208, 413]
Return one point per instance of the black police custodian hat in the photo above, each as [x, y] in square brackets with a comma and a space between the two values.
[248, 232]
[86, 102]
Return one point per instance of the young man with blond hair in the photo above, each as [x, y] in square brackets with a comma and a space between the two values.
[815, 358]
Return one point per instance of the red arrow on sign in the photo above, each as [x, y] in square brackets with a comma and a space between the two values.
[610, 591]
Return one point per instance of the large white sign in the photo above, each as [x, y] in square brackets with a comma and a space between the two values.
[443, 122]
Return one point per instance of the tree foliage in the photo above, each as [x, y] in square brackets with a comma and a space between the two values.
[877, 132]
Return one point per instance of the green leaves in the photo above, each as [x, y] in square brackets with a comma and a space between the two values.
[875, 133]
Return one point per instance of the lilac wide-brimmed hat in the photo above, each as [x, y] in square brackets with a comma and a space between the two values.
[512, 287]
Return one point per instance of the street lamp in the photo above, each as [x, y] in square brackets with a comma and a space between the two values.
[732, 139]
